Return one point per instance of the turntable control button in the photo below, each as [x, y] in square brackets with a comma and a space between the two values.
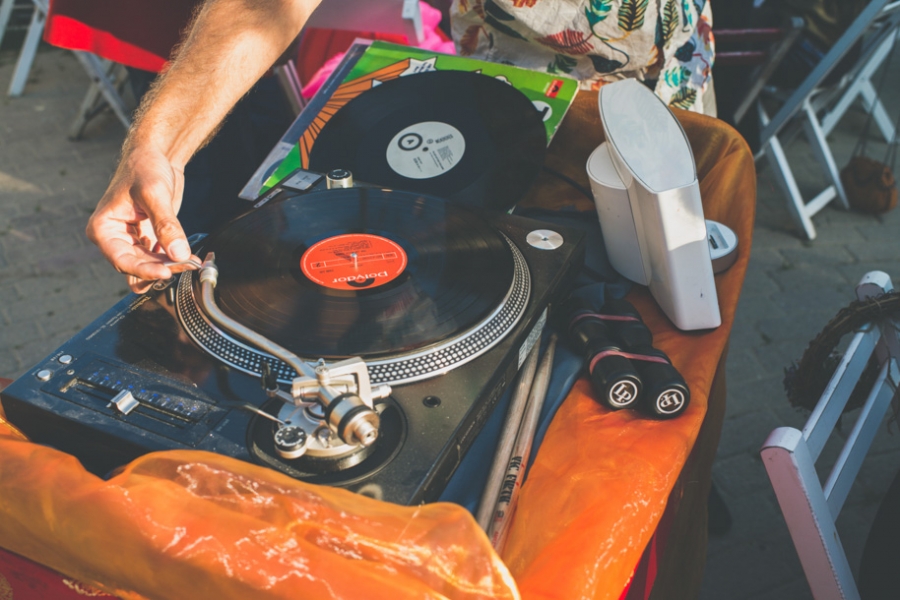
[65, 359]
[544, 239]
[44, 374]
[125, 402]
[290, 442]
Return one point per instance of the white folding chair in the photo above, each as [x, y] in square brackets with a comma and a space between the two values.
[821, 107]
[789, 455]
[6, 8]
[29, 46]
[107, 81]
[106, 78]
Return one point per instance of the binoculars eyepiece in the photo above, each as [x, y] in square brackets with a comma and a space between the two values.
[625, 369]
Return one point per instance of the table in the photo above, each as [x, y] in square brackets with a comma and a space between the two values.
[606, 487]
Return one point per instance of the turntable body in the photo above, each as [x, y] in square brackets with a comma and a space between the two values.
[141, 378]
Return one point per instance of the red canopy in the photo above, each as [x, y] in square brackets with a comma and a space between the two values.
[135, 33]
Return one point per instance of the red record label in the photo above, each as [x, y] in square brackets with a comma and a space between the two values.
[353, 261]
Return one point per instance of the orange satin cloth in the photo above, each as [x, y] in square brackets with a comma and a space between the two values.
[186, 524]
[601, 480]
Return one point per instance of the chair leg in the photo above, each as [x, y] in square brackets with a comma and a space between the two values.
[6, 7]
[89, 106]
[862, 86]
[873, 103]
[785, 178]
[95, 68]
[792, 472]
[94, 100]
[28, 52]
[822, 152]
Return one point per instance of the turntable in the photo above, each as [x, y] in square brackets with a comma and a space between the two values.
[353, 336]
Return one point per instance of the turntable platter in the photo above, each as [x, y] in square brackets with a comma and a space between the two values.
[364, 272]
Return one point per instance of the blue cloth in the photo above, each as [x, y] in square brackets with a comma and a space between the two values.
[597, 280]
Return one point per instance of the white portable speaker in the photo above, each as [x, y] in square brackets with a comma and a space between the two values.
[649, 204]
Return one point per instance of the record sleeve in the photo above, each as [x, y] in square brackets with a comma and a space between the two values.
[366, 67]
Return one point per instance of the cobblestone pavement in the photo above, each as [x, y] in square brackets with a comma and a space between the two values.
[53, 282]
[793, 288]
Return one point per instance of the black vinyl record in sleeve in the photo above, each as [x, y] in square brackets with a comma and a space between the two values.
[458, 135]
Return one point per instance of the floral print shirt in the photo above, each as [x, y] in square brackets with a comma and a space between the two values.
[666, 43]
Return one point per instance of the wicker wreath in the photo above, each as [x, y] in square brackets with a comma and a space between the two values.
[805, 381]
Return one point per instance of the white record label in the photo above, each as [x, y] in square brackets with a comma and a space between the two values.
[425, 150]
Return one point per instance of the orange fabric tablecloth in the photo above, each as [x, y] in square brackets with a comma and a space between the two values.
[602, 479]
[192, 524]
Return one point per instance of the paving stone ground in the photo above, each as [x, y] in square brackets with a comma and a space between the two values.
[53, 282]
[793, 288]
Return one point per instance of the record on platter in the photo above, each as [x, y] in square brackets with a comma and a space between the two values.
[360, 272]
[457, 135]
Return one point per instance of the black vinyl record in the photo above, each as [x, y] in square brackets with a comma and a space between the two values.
[360, 272]
[458, 135]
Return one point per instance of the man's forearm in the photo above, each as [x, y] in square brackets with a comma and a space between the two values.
[231, 45]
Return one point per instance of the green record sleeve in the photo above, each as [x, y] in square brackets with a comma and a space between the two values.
[367, 67]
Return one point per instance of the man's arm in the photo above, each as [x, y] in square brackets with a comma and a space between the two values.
[231, 44]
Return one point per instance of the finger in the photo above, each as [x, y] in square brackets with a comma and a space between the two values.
[137, 285]
[159, 205]
[135, 259]
[171, 236]
[140, 286]
[186, 266]
[124, 250]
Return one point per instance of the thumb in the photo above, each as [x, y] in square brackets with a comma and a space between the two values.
[168, 231]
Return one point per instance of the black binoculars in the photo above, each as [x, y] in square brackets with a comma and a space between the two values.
[624, 367]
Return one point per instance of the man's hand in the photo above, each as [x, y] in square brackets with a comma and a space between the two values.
[135, 223]
[229, 46]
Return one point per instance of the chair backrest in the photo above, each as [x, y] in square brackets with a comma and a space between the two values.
[875, 11]
[789, 455]
[821, 103]
[385, 16]
[774, 45]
